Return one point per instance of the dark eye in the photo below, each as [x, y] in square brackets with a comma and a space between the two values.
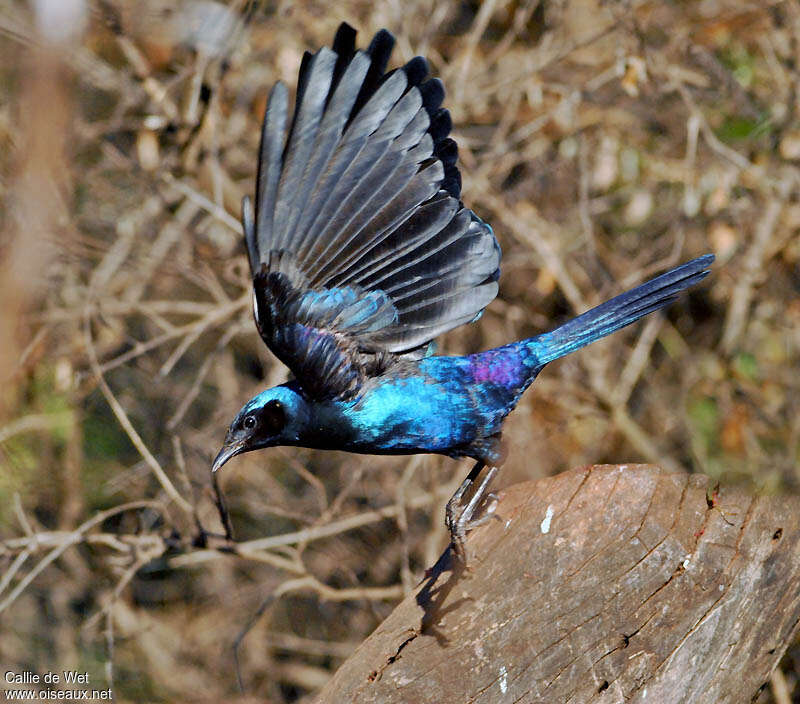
[274, 417]
[249, 422]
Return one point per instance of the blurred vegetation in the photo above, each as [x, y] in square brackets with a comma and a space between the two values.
[603, 141]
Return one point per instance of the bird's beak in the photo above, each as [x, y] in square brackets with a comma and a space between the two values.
[228, 450]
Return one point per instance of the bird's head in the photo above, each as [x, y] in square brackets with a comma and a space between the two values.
[277, 416]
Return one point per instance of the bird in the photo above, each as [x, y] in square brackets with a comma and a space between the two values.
[362, 252]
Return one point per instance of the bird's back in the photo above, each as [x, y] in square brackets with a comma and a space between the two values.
[440, 404]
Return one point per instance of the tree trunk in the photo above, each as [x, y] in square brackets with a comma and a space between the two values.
[602, 584]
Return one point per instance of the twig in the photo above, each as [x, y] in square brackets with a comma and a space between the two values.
[13, 568]
[140, 561]
[691, 200]
[479, 26]
[532, 230]
[326, 593]
[780, 687]
[108, 634]
[33, 422]
[124, 421]
[310, 646]
[217, 211]
[216, 315]
[21, 517]
[636, 362]
[219, 500]
[583, 196]
[310, 478]
[68, 539]
[402, 521]
[752, 271]
[642, 441]
[252, 548]
[36, 340]
[45, 539]
[117, 307]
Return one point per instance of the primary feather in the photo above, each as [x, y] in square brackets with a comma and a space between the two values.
[360, 248]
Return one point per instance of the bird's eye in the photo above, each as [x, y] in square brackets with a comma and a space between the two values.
[249, 422]
[274, 417]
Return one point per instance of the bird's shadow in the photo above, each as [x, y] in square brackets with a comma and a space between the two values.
[438, 582]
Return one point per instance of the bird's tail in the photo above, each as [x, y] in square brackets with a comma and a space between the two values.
[620, 311]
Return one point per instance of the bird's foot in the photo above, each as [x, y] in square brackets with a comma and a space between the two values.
[487, 510]
[460, 518]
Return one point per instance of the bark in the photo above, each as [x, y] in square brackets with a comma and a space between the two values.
[602, 584]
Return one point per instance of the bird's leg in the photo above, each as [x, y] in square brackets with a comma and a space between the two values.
[455, 500]
[458, 517]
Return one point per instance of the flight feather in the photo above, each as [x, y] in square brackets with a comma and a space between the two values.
[360, 247]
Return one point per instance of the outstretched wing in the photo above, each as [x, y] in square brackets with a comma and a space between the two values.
[360, 248]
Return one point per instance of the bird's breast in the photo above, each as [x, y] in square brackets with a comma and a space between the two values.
[409, 414]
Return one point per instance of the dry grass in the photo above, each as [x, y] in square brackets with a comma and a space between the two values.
[603, 141]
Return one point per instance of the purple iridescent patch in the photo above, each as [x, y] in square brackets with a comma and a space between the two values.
[501, 366]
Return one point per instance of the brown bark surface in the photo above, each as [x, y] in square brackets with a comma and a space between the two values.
[602, 584]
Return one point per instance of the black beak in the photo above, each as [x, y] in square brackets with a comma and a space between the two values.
[228, 450]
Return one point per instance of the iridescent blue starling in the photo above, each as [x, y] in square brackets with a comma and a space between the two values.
[362, 252]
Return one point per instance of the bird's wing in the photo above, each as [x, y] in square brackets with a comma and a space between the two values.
[360, 247]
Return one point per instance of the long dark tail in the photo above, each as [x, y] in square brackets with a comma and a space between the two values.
[620, 311]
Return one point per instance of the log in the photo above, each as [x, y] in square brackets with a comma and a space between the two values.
[602, 584]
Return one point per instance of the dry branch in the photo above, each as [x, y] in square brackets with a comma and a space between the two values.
[607, 584]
